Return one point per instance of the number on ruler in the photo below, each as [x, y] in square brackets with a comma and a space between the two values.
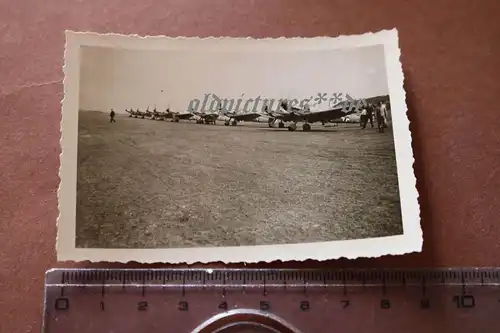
[464, 301]
[61, 304]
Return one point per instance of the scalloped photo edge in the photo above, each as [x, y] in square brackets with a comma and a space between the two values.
[410, 240]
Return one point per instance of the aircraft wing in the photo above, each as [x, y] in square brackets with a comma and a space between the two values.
[246, 117]
[185, 115]
[288, 116]
[212, 116]
[203, 114]
[325, 115]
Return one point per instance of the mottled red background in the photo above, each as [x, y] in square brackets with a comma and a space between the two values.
[451, 59]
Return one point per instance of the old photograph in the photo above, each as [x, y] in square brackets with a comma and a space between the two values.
[235, 149]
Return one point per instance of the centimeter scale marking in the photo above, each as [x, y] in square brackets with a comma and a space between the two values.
[272, 300]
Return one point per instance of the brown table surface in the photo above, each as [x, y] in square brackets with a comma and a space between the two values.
[450, 55]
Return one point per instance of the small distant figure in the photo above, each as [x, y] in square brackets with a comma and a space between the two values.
[384, 110]
[380, 115]
[369, 114]
[112, 116]
[363, 118]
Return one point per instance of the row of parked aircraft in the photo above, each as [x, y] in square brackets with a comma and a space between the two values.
[285, 114]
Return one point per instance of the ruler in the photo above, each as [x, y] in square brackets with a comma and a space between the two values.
[271, 300]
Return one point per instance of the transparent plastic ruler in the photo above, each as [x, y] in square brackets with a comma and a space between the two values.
[271, 300]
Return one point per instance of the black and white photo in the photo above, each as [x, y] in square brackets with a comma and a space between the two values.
[235, 149]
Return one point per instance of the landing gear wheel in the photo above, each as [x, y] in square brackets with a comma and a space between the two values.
[226, 123]
[234, 123]
[281, 125]
[292, 127]
[306, 127]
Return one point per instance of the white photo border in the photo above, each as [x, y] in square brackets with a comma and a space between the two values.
[410, 241]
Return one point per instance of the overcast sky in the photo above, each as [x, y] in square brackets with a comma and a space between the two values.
[124, 79]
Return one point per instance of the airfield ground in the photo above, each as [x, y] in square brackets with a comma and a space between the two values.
[151, 184]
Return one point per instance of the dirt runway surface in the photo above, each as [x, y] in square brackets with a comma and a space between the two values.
[154, 184]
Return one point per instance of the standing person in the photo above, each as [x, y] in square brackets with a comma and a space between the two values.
[363, 118]
[369, 114]
[383, 111]
[112, 116]
[380, 120]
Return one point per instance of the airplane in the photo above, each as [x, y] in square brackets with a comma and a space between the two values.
[131, 113]
[161, 115]
[135, 114]
[206, 118]
[155, 115]
[294, 115]
[147, 114]
[176, 116]
[165, 115]
[284, 114]
[232, 118]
